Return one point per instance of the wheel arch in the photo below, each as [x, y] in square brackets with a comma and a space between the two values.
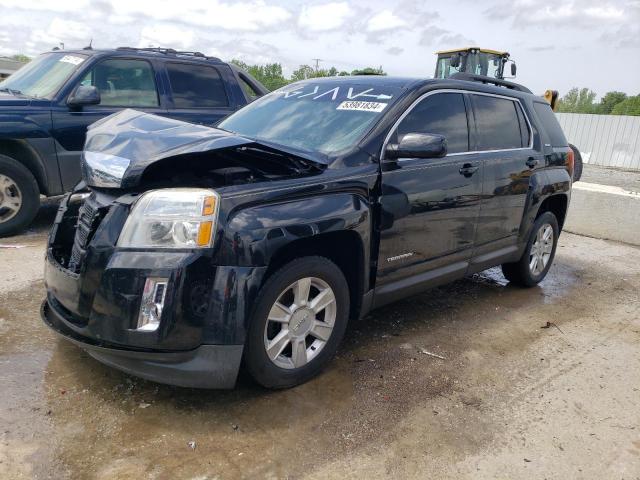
[336, 226]
[344, 248]
[557, 204]
[22, 152]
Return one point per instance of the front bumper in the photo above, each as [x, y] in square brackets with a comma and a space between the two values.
[207, 366]
[95, 300]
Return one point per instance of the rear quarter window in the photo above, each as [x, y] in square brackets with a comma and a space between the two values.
[550, 124]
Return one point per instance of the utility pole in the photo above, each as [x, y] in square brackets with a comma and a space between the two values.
[317, 60]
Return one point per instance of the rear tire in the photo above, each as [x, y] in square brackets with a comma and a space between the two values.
[538, 255]
[19, 196]
[577, 163]
[299, 320]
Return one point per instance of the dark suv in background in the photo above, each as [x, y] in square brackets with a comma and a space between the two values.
[193, 249]
[46, 106]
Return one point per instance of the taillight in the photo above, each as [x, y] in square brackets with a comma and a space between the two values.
[569, 162]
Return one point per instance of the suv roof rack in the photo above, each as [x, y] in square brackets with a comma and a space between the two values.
[168, 51]
[470, 77]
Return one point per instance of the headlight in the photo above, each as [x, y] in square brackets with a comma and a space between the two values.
[172, 218]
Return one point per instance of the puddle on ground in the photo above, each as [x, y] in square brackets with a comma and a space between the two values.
[64, 412]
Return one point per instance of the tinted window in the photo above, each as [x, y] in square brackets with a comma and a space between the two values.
[525, 131]
[248, 89]
[124, 83]
[550, 123]
[442, 114]
[195, 86]
[497, 123]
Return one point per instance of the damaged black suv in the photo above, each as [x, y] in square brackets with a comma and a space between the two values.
[188, 250]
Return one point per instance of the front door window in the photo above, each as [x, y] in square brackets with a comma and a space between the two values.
[124, 83]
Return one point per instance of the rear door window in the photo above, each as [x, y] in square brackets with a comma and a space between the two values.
[550, 123]
[124, 83]
[497, 123]
[196, 86]
[442, 114]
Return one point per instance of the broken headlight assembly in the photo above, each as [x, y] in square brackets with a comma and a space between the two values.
[172, 218]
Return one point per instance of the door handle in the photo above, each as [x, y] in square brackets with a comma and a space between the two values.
[531, 162]
[468, 169]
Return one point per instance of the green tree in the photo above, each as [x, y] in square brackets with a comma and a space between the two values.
[303, 72]
[21, 58]
[369, 71]
[270, 74]
[630, 106]
[578, 101]
[610, 100]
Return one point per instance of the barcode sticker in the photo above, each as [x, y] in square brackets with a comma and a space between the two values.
[362, 106]
[71, 59]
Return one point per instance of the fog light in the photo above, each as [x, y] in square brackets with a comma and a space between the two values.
[153, 295]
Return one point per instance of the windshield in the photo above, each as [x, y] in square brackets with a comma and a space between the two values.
[476, 63]
[324, 117]
[43, 76]
[444, 68]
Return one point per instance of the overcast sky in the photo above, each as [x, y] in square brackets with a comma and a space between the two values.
[557, 45]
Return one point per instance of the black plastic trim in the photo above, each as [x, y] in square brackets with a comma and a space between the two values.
[208, 366]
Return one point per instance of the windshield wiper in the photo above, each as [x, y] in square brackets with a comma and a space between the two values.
[12, 91]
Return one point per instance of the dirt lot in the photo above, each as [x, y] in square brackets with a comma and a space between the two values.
[510, 399]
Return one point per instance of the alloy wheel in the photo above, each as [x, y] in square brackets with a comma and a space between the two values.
[10, 198]
[541, 249]
[300, 323]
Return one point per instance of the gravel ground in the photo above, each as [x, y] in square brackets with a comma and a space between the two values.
[627, 179]
[510, 399]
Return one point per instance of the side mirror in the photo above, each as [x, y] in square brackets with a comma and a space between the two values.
[418, 145]
[84, 95]
[513, 69]
[455, 60]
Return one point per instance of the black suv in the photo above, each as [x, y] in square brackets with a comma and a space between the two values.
[192, 249]
[46, 106]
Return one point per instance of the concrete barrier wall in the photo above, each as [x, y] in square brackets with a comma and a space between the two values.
[602, 211]
[607, 140]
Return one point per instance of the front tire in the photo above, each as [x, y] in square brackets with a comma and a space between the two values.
[538, 255]
[19, 196]
[299, 320]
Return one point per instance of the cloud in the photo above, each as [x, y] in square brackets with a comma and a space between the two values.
[63, 31]
[542, 48]
[383, 21]
[252, 51]
[394, 51]
[244, 16]
[48, 5]
[324, 17]
[616, 22]
[442, 39]
[164, 34]
[587, 13]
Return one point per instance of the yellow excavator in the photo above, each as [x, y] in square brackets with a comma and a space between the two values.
[485, 62]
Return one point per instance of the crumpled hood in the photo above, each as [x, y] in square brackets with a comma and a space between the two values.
[121, 146]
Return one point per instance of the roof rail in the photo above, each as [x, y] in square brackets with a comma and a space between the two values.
[168, 51]
[470, 77]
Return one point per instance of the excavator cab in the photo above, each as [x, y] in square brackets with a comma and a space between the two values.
[473, 60]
